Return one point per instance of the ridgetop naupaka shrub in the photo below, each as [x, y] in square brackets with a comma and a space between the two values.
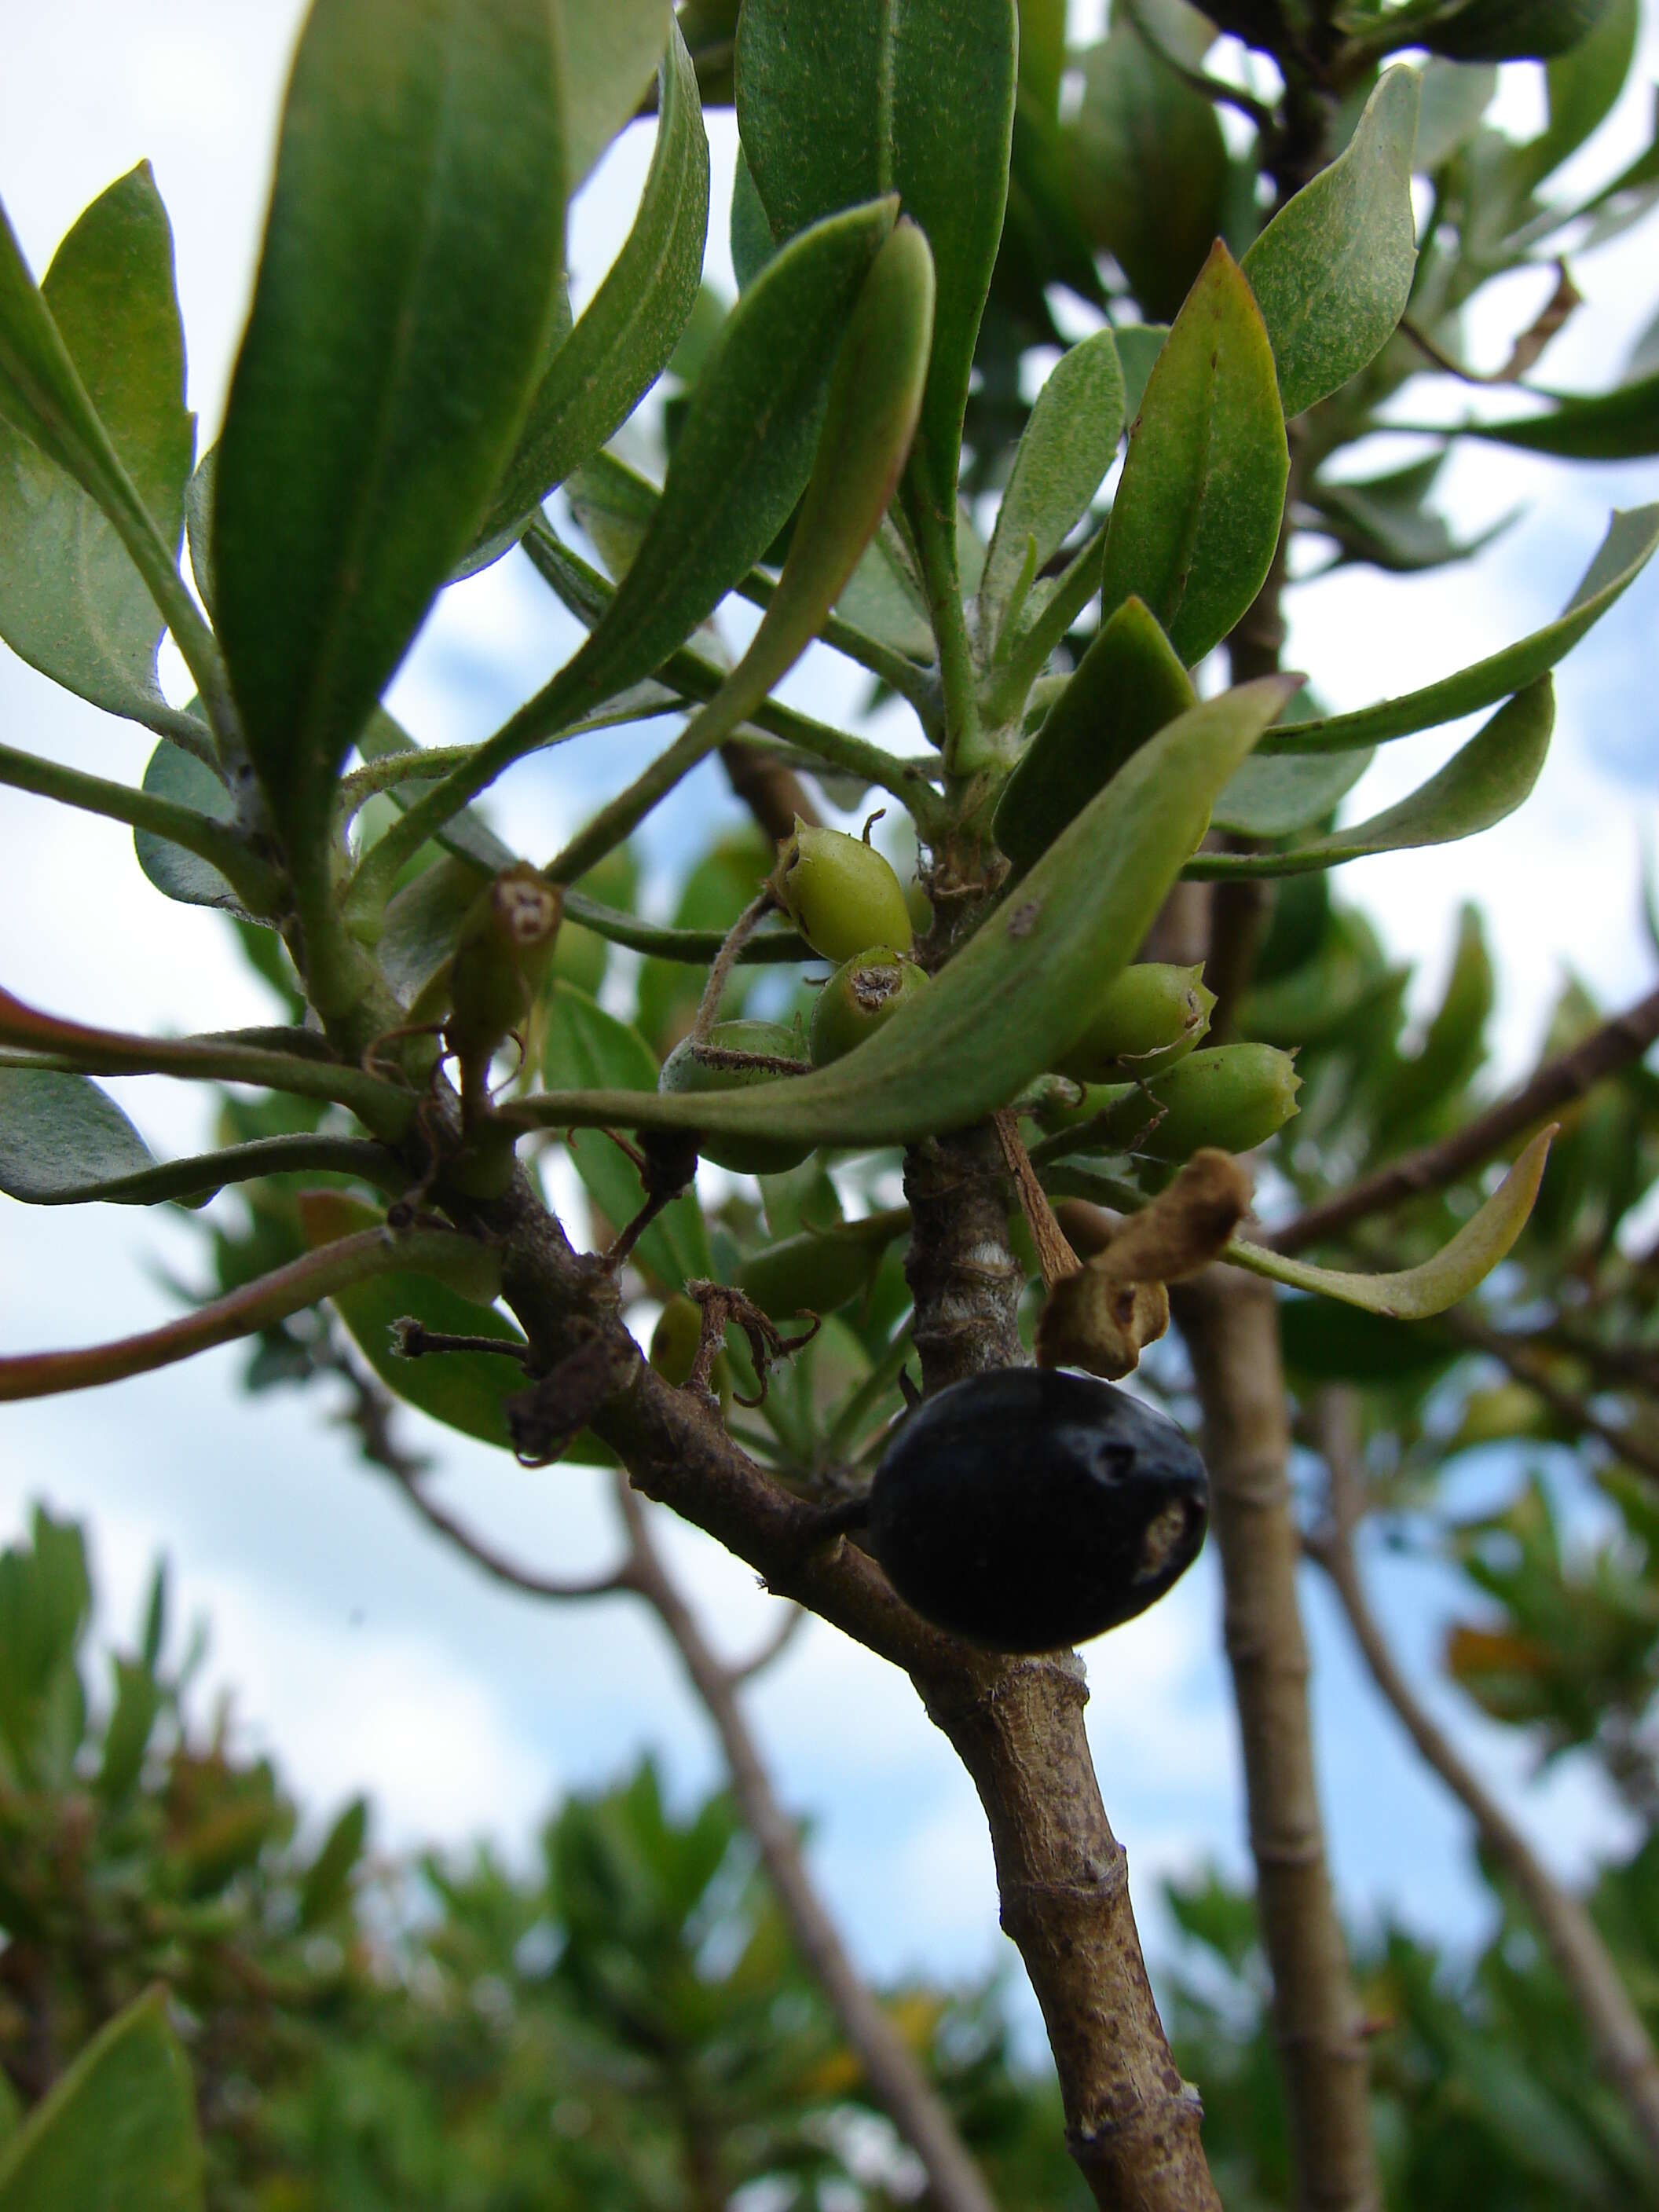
[412, 388]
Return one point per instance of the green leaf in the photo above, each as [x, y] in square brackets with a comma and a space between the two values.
[1128, 685]
[1195, 523]
[1148, 169]
[46, 1602]
[423, 920]
[744, 456]
[71, 602]
[1454, 1045]
[61, 1133]
[1067, 448]
[881, 599]
[588, 1049]
[1416, 1293]
[623, 340]
[1382, 520]
[1138, 345]
[1621, 558]
[1510, 30]
[1582, 86]
[1327, 1342]
[38, 1166]
[137, 1702]
[41, 394]
[117, 2132]
[1620, 425]
[407, 281]
[1013, 999]
[465, 1390]
[173, 773]
[1332, 272]
[1451, 101]
[227, 1059]
[1272, 798]
[1042, 51]
[844, 100]
[326, 1883]
[869, 420]
[1478, 786]
[750, 231]
[611, 54]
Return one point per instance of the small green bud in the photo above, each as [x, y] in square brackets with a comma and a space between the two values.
[1150, 1016]
[863, 993]
[841, 894]
[501, 960]
[1233, 1096]
[692, 1067]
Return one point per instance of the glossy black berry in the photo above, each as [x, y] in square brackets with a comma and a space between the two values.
[1028, 1509]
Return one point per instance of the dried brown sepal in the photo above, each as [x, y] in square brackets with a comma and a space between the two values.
[1092, 1322]
[1055, 1255]
[1185, 1226]
[721, 1305]
[1101, 1318]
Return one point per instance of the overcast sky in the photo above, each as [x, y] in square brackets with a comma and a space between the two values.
[359, 1651]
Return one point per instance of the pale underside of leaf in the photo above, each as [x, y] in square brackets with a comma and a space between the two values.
[1417, 1293]
[1624, 553]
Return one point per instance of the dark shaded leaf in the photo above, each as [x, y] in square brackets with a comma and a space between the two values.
[588, 1049]
[117, 2132]
[1148, 169]
[407, 282]
[625, 336]
[173, 773]
[843, 100]
[61, 1134]
[1128, 686]
[1196, 518]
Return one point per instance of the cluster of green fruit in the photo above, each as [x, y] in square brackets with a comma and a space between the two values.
[1135, 1079]
[850, 907]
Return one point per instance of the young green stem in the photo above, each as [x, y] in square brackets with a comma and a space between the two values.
[1008, 686]
[936, 553]
[257, 886]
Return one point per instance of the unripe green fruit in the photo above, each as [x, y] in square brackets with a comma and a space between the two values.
[861, 994]
[812, 1273]
[841, 894]
[691, 1069]
[1150, 1016]
[1234, 1096]
[674, 1344]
